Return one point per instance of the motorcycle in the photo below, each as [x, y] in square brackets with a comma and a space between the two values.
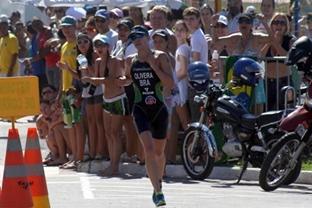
[247, 137]
[284, 161]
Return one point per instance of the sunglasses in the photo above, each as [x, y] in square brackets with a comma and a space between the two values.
[99, 44]
[79, 42]
[100, 20]
[244, 20]
[279, 22]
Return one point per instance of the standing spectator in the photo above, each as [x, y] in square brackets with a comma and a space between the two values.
[206, 13]
[122, 51]
[245, 43]
[267, 10]
[15, 17]
[199, 50]
[159, 20]
[136, 15]
[102, 25]
[234, 10]
[115, 103]
[71, 107]
[59, 13]
[90, 28]
[21, 35]
[181, 62]
[277, 72]
[8, 49]
[80, 14]
[41, 55]
[307, 26]
[116, 15]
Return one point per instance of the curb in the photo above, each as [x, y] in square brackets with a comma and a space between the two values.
[177, 171]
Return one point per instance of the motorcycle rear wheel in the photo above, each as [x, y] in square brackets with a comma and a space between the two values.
[197, 162]
[275, 170]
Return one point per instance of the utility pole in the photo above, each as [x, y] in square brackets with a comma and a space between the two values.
[296, 17]
[218, 5]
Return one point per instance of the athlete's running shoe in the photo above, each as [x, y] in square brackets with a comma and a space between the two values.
[159, 199]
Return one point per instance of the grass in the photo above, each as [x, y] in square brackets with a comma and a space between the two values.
[307, 165]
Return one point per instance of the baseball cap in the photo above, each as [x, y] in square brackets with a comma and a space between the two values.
[137, 31]
[125, 22]
[4, 19]
[101, 38]
[78, 13]
[117, 12]
[102, 13]
[250, 10]
[223, 20]
[162, 33]
[245, 18]
[68, 21]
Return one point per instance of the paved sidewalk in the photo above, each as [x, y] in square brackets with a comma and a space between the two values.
[177, 171]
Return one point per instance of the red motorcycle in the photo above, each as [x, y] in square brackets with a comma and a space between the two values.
[282, 165]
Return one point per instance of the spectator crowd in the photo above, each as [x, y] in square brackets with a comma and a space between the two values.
[87, 115]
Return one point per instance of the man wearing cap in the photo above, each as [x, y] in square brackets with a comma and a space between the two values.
[102, 25]
[123, 48]
[159, 20]
[8, 49]
[72, 113]
[80, 14]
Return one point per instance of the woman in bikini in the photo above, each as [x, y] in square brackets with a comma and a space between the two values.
[115, 104]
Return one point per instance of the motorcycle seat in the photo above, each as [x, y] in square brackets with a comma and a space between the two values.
[269, 117]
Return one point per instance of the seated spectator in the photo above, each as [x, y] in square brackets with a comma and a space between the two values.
[50, 126]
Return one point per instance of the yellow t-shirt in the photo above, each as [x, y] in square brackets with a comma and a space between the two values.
[8, 47]
[68, 55]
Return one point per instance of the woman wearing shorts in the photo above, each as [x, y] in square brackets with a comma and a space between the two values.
[150, 72]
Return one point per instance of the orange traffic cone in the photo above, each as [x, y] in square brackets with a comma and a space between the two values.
[15, 187]
[35, 171]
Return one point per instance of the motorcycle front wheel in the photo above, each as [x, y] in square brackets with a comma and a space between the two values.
[276, 169]
[196, 159]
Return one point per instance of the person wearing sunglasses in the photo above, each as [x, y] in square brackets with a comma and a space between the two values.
[123, 50]
[245, 43]
[115, 104]
[102, 18]
[150, 71]
[277, 72]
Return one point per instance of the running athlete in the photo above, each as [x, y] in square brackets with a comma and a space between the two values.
[150, 72]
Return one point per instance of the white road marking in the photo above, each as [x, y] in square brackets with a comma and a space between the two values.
[86, 188]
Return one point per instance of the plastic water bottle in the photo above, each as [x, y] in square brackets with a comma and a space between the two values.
[82, 60]
[215, 55]
[215, 60]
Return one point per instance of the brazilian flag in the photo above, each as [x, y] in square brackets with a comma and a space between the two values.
[243, 94]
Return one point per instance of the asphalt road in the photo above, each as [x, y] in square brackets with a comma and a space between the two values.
[69, 189]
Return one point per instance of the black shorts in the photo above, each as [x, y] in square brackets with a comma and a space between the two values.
[151, 119]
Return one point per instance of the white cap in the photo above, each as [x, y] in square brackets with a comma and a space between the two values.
[222, 19]
[4, 19]
[250, 10]
[76, 12]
